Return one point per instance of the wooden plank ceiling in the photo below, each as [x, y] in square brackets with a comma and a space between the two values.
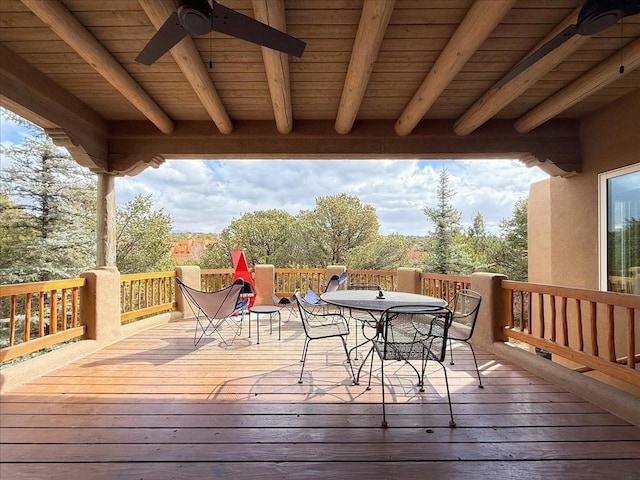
[378, 78]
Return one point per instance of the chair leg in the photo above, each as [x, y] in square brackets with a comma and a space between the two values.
[451, 352]
[476, 362]
[384, 413]
[452, 423]
[304, 358]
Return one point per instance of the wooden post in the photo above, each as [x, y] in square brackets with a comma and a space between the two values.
[106, 225]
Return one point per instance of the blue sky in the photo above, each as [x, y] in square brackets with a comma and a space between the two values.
[206, 195]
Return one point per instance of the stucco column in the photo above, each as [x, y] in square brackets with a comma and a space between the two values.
[408, 280]
[106, 224]
[493, 309]
[190, 275]
[100, 304]
[264, 277]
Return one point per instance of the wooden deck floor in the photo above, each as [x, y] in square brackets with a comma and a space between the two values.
[153, 407]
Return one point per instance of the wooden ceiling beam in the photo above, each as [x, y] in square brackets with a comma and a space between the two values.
[481, 19]
[276, 64]
[131, 143]
[374, 19]
[27, 92]
[71, 31]
[598, 77]
[496, 99]
[188, 59]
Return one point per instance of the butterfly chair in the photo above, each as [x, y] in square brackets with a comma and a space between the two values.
[465, 306]
[312, 298]
[320, 325]
[213, 310]
[288, 302]
[413, 333]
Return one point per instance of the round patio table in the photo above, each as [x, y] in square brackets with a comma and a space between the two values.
[371, 301]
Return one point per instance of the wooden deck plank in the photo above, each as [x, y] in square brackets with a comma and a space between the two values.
[513, 470]
[153, 406]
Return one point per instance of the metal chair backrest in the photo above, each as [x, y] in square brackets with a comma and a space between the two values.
[465, 306]
[414, 332]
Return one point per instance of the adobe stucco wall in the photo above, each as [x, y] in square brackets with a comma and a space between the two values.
[563, 212]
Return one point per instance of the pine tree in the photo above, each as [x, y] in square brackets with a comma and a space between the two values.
[447, 220]
[50, 211]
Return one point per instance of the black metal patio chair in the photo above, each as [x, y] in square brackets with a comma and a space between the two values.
[413, 333]
[319, 325]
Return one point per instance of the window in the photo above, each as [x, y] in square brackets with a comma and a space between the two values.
[620, 230]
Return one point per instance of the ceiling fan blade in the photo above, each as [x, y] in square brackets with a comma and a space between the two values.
[552, 44]
[170, 33]
[231, 22]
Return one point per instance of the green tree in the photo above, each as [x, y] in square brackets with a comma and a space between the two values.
[50, 210]
[479, 246]
[143, 235]
[338, 224]
[510, 258]
[382, 253]
[264, 235]
[216, 255]
[443, 256]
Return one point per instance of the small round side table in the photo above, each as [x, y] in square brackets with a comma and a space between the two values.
[270, 310]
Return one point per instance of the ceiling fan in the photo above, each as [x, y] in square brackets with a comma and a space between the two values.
[594, 17]
[198, 17]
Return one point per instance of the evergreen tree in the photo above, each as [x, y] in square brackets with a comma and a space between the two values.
[50, 209]
[443, 254]
[511, 257]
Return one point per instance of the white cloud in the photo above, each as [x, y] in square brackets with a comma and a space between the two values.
[205, 196]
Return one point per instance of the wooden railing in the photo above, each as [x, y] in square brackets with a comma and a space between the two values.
[39, 315]
[591, 328]
[215, 279]
[143, 294]
[385, 279]
[442, 285]
[288, 280]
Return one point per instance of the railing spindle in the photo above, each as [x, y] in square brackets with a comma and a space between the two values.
[554, 322]
[631, 335]
[41, 314]
[611, 333]
[53, 312]
[593, 320]
[579, 322]
[563, 318]
[27, 317]
[541, 314]
[12, 320]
